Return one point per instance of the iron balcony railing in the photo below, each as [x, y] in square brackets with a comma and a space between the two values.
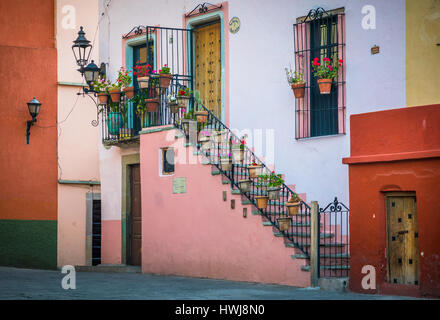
[298, 232]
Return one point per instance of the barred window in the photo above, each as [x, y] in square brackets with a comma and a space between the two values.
[318, 35]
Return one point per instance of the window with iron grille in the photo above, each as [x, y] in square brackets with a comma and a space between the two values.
[318, 35]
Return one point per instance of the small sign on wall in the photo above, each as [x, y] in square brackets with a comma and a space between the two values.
[179, 185]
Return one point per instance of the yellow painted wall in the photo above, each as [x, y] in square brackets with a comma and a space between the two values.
[422, 52]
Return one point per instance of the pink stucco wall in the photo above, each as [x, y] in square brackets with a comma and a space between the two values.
[197, 234]
[111, 242]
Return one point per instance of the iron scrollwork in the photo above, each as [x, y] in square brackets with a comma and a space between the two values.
[315, 14]
[334, 206]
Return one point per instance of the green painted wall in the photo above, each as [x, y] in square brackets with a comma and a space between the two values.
[28, 243]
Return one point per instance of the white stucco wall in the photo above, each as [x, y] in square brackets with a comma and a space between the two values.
[260, 97]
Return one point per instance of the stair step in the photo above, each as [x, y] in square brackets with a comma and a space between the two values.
[293, 224]
[291, 245]
[303, 235]
[226, 182]
[215, 172]
[307, 268]
[235, 191]
[332, 256]
[257, 212]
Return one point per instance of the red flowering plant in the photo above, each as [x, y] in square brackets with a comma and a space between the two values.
[165, 70]
[186, 92]
[141, 70]
[124, 77]
[328, 69]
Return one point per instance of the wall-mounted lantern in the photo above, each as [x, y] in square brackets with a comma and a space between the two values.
[34, 108]
[81, 50]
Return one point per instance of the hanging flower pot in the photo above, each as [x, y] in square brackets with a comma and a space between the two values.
[298, 89]
[262, 201]
[284, 223]
[183, 101]
[129, 92]
[219, 136]
[114, 122]
[165, 80]
[202, 116]
[254, 170]
[325, 85]
[174, 108]
[226, 164]
[205, 142]
[292, 208]
[152, 104]
[245, 185]
[237, 154]
[115, 95]
[273, 193]
[103, 97]
[143, 82]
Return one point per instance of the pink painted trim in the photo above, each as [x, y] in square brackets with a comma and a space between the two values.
[225, 10]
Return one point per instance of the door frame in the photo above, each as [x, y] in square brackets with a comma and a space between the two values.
[199, 20]
[389, 195]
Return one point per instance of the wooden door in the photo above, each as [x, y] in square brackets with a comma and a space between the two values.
[135, 216]
[208, 66]
[402, 234]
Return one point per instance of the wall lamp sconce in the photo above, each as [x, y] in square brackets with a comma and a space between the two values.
[34, 108]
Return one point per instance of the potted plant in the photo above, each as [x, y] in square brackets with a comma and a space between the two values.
[284, 223]
[238, 149]
[274, 184]
[189, 121]
[295, 79]
[142, 72]
[101, 87]
[165, 77]
[183, 97]
[219, 135]
[325, 73]
[152, 104]
[293, 204]
[245, 185]
[141, 107]
[225, 161]
[262, 197]
[125, 80]
[115, 91]
[172, 103]
[254, 170]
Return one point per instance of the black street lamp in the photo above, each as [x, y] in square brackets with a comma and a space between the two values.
[81, 50]
[91, 73]
[34, 108]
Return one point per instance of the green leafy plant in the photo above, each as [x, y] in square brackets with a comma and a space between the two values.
[165, 70]
[328, 69]
[275, 180]
[114, 86]
[190, 115]
[141, 106]
[124, 78]
[294, 198]
[101, 85]
[184, 92]
[294, 76]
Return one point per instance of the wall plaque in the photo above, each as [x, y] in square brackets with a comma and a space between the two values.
[179, 185]
[234, 25]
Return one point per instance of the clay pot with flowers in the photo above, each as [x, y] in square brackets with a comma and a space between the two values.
[284, 223]
[274, 183]
[237, 148]
[124, 79]
[205, 140]
[295, 79]
[325, 72]
[142, 73]
[165, 77]
[262, 198]
[172, 104]
[115, 91]
[101, 86]
[225, 161]
[293, 204]
[254, 170]
[183, 97]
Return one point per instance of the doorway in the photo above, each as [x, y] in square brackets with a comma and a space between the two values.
[402, 238]
[207, 66]
[134, 243]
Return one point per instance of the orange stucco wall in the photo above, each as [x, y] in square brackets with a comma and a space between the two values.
[394, 150]
[28, 68]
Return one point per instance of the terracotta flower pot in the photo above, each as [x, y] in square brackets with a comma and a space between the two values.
[298, 89]
[115, 95]
[143, 82]
[174, 108]
[284, 223]
[245, 185]
[254, 171]
[165, 80]
[202, 116]
[292, 208]
[152, 104]
[274, 193]
[325, 86]
[262, 201]
[219, 136]
[226, 164]
[237, 154]
[129, 92]
[103, 97]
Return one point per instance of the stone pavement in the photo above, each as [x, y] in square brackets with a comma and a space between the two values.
[46, 284]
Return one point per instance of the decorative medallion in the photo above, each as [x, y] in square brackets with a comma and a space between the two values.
[234, 25]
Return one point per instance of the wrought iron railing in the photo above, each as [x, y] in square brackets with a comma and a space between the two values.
[220, 145]
[334, 254]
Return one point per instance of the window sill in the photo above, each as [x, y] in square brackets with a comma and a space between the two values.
[321, 137]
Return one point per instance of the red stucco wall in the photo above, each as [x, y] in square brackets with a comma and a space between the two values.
[394, 150]
[28, 68]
